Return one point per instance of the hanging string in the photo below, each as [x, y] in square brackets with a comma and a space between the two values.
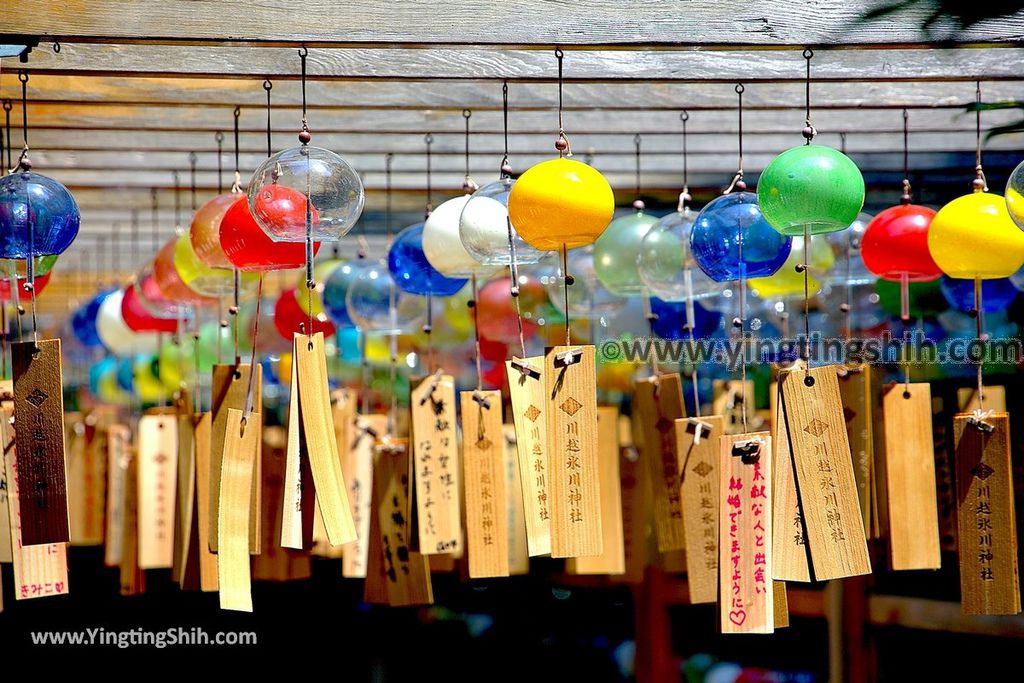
[852, 242]
[504, 128]
[428, 327]
[7, 127]
[472, 303]
[304, 138]
[219, 137]
[905, 199]
[236, 188]
[176, 180]
[562, 143]
[567, 281]
[428, 139]
[268, 86]
[980, 183]
[684, 199]
[737, 182]
[468, 186]
[249, 398]
[808, 132]
[303, 53]
[192, 158]
[638, 203]
[505, 173]
[24, 164]
[392, 296]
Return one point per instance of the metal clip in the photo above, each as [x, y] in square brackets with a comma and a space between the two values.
[977, 420]
[749, 450]
[484, 402]
[567, 358]
[695, 427]
[525, 368]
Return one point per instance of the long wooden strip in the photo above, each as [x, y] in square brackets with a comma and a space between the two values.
[276, 563]
[185, 571]
[636, 505]
[518, 551]
[39, 405]
[573, 482]
[207, 558]
[612, 559]
[406, 571]
[910, 477]
[118, 456]
[318, 430]
[241, 445]
[856, 392]
[133, 577]
[298, 504]
[745, 534]
[486, 502]
[358, 468]
[229, 386]
[824, 473]
[87, 457]
[157, 462]
[436, 470]
[699, 462]
[39, 570]
[659, 400]
[989, 581]
[6, 542]
[790, 558]
[529, 406]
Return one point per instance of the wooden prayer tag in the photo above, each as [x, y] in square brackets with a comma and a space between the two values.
[275, 563]
[612, 559]
[781, 604]
[659, 401]
[318, 432]
[697, 443]
[133, 577]
[995, 399]
[824, 473]
[7, 433]
[745, 533]
[634, 480]
[158, 464]
[298, 503]
[87, 460]
[570, 384]
[358, 470]
[910, 476]
[39, 570]
[529, 406]
[241, 446]
[484, 475]
[119, 454]
[989, 583]
[39, 434]
[185, 571]
[856, 391]
[229, 387]
[201, 436]
[406, 572]
[436, 466]
[790, 561]
[518, 553]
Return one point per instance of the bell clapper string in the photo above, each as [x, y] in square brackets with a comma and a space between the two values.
[428, 327]
[684, 207]
[567, 281]
[740, 322]
[979, 319]
[505, 173]
[25, 165]
[472, 303]
[979, 184]
[236, 188]
[846, 308]
[304, 138]
[905, 198]
[249, 398]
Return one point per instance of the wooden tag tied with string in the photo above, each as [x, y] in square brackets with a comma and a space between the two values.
[229, 388]
[132, 576]
[119, 454]
[87, 477]
[856, 390]
[318, 433]
[612, 559]
[39, 410]
[299, 503]
[989, 581]
[484, 475]
[826, 485]
[909, 457]
[39, 570]
[518, 553]
[185, 571]
[436, 470]
[276, 563]
[157, 456]
[573, 473]
[745, 533]
[406, 572]
[659, 402]
[790, 558]
[634, 480]
[697, 443]
[529, 408]
[201, 438]
[241, 447]
[358, 469]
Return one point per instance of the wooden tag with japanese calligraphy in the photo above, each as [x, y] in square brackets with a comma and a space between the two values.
[241, 446]
[910, 476]
[529, 406]
[39, 407]
[697, 443]
[358, 469]
[745, 533]
[87, 460]
[229, 387]
[39, 570]
[185, 571]
[158, 464]
[484, 475]
[612, 559]
[856, 392]
[275, 563]
[375, 587]
[634, 480]
[659, 401]
[436, 466]
[790, 560]
[989, 582]
[518, 553]
[299, 503]
[824, 473]
[570, 384]
[133, 577]
[406, 572]
[119, 454]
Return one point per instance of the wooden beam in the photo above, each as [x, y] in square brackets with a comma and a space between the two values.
[530, 22]
[475, 63]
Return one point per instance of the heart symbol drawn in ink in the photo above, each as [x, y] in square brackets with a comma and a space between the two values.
[738, 617]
